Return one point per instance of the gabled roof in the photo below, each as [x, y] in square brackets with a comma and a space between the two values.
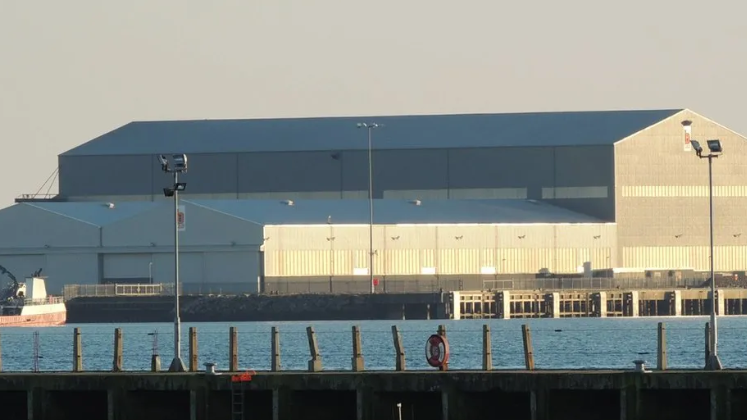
[398, 132]
[95, 213]
[388, 211]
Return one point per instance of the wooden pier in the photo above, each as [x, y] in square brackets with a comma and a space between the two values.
[314, 394]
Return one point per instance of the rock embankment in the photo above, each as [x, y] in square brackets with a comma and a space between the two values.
[724, 282]
[289, 308]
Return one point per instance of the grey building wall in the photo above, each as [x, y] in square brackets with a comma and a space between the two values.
[662, 198]
[218, 252]
[576, 177]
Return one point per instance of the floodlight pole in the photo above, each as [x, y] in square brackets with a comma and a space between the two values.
[177, 365]
[370, 127]
[370, 210]
[713, 363]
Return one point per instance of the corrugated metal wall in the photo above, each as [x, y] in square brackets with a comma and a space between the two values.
[579, 178]
[338, 250]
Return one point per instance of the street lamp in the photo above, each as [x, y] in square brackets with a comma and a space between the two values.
[370, 127]
[179, 166]
[714, 150]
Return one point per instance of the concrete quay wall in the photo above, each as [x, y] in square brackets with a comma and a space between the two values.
[452, 395]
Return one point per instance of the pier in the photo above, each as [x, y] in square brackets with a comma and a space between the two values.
[480, 304]
[591, 303]
[574, 395]
[206, 392]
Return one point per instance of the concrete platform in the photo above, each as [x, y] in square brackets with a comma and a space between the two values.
[516, 395]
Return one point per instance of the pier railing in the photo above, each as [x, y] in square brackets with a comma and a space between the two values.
[496, 346]
[71, 291]
[46, 301]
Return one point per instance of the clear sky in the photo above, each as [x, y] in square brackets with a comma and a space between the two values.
[72, 70]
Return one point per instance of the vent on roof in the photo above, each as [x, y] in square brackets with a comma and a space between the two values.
[416, 202]
[109, 205]
[288, 202]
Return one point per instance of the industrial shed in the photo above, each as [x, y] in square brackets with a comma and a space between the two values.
[244, 245]
[128, 242]
[632, 168]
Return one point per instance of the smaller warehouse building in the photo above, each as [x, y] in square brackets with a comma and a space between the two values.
[251, 245]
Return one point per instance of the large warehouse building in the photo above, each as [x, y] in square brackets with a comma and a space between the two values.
[464, 195]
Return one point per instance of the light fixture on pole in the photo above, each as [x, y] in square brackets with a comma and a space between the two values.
[179, 166]
[370, 127]
[714, 151]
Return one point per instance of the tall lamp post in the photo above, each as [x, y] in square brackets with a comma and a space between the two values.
[179, 166]
[370, 127]
[714, 150]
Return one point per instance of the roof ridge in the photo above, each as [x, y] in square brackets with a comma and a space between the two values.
[414, 131]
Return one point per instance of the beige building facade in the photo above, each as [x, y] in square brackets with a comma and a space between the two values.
[662, 197]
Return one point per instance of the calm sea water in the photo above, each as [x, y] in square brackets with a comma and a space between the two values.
[558, 344]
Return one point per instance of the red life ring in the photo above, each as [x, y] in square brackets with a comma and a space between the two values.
[437, 350]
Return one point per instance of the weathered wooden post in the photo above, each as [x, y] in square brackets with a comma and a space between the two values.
[399, 349]
[193, 349]
[315, 364]
[233, 350]
[275, 349]
[77, 351]
[528, 350]
[155, 362]
[662, 347]
[118, 349]
[487, 348]
[1, 353]
[357, 350]
[707, 341]
[442, 330]
[155, 358]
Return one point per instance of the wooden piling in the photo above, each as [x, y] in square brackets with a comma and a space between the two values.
[528, 350]
[707, 341]
[315, 364]
[155, 363]
[193, 349]
[1, 353]
[662, 347]
[118, 350]
[77, 351]
[233, 349]
[487, 348]
[275, 349]
[357, 350]
[399, 349]
[442, 332]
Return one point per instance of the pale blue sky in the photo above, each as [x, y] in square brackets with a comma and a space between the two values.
[72, 70]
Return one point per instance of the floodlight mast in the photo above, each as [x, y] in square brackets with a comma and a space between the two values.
[180, 165]
[370, 127]
[714, 150]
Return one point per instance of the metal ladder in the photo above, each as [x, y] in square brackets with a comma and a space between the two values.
[238, 391]
[237, 400]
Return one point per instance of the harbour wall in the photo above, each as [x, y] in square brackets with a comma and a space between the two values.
[452, 395]
[315, 394]
[403, 306]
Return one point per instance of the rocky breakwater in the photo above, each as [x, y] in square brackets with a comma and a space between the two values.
[306, 307]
